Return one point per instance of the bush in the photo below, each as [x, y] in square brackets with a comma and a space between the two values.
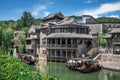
[13, 69]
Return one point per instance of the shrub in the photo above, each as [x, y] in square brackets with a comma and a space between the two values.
[13, 69]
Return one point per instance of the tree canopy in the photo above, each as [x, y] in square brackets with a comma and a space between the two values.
[6, 37]
[26, 19]
[20, 41]
[7, 29]
[101, 40]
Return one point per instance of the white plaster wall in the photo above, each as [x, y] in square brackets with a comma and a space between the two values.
[95, 28]
[84, 19]
[91, 18]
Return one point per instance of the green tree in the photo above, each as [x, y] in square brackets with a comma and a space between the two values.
[6, 37]
[101, 40]
[1, 36]
[20, 41]
[26, 19]
[7, 40]
[25, 29]
[37, 22]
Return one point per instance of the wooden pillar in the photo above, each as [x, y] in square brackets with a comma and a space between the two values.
[60, 53]
[71, 42]
[85, 31]
[77, 42]
[55, 42]
[113, 48]
[50, 42]
[66, 42]
[60, 42]
[79, 30]
[50, 53]
[55, 53]
[66, 54]
[76, 53]
[47, 42]
[71, 53]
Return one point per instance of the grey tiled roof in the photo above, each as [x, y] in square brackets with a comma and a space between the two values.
[115, 30]
[67, 20]
[59, 14]
[32, 29]
[107, 35]
[68, 35]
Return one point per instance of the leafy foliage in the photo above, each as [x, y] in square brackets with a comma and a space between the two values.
[7, 28]
[26, 19]
[107, 19]
[13, 69]
[101, 40]
[20, 41]
[78, 17]
[103, 19]
[6, 37]
[25, 29]
[37, 22]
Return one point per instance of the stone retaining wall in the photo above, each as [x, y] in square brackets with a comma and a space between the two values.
[110, 57]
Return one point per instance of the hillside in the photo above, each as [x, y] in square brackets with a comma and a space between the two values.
[107, 19]
[103, 19]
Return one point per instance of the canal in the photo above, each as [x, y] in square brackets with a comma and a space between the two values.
[59, 69]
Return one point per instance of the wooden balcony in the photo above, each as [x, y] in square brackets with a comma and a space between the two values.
[116, 39]
[31, 46]
[61, 47]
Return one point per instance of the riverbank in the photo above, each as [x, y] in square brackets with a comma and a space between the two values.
[114, 66]
[110, 62]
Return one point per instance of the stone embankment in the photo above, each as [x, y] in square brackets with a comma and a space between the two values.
[114, 66]
[110, 62]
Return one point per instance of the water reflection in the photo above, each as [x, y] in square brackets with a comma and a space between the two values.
[108, 75]
[103, 75]
[41, 67]
[59, 70]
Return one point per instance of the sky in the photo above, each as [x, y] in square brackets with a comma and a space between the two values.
[13, 9]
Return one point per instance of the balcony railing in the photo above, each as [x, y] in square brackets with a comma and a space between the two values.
[64, 45]
[30, 46]
[116, 39]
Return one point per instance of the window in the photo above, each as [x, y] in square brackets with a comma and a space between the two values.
[88, 20]
[55, 30]
[28, 42]
[58, 30]
[87, 32]
[79, 20]
[77, 30]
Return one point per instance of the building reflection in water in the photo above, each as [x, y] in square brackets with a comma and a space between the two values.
[58, 69]
[103, 75]
[108, 75]
[41, 65]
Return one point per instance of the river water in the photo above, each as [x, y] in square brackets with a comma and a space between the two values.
[59, 70]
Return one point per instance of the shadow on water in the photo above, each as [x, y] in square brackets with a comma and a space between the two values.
[59, 69]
